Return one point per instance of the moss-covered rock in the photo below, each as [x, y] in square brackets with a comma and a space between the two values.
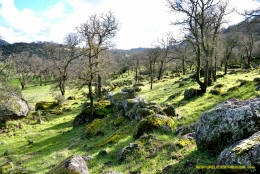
[95, 128]
[46, 105]
[154, 122]
[190, 93]
[169, 110]
[216, 91]
[114, 138]
[75, 164]
[243, 153]
[143, 112]
[119, 121]
[6, 168]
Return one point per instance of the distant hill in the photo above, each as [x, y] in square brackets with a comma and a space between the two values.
[3, 42]
[244, 27]
[32, 48]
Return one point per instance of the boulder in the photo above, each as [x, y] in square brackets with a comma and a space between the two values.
[154, 122]
[227, 123]
[100, 110]
[13, 107]
[73, 164]
[46, 105]
[95, 128]
[190, 93]
[243, 153]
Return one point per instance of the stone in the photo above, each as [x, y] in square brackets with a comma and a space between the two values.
[154, 122]
[113, 172]
[73, 164]
[94, 128]
[242, 153]
[45, 105]
[190, 93]
[7, 152]
[87, 158]
[31, 141]
[127, 151]
[227, 123]
[13, 107]
[182, 130]
[6, 167]
[103, 152]
[169, 110]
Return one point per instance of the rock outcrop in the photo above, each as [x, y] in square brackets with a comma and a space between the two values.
[243, 153]
[154, 122]
[227, 123]
[73, 164]
[13, 107]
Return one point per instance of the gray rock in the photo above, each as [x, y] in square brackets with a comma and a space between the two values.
[87, 158]
[127, 151]
[13, 107]
[113, 172]
[73, 164]
[227, 123]
[243, 153]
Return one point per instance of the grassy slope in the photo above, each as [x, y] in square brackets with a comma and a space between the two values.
[55, 139]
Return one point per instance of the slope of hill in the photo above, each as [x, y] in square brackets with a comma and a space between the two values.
[36, 147]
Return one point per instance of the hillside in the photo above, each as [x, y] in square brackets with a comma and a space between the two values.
[35, 147]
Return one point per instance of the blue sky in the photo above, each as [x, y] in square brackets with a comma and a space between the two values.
[141, 22]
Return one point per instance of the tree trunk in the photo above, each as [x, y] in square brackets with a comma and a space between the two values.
[151, 76]
[99, 88]
[136, 75]
[225, 67]
[40, 80]
[160, 70]
[91, 116]
[183, 66]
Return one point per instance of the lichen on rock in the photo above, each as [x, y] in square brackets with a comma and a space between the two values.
[154, 122]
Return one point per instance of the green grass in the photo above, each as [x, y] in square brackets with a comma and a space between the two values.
[55, 139]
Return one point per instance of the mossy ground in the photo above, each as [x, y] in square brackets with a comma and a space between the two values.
[55, 139]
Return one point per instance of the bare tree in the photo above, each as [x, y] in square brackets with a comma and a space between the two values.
[22, 67]
[153, 55]
[96, 33]
[165, 44]
[62, 56]
[248, 43]
[230, 41]
[203, 19]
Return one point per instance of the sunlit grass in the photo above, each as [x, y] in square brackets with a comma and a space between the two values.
[56, 139]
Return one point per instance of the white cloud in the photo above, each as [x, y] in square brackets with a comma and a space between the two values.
[141, 21]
